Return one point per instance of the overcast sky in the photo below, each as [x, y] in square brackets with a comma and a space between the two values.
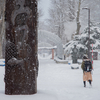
[45, 5]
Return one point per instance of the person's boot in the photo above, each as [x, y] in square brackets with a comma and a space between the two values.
[84, 83]
[90, 83]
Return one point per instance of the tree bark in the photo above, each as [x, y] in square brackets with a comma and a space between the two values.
[21, 47]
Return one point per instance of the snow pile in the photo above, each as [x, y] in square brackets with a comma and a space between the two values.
[57, 60]
[44, 56]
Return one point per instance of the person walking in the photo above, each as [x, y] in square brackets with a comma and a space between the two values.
[87, 68]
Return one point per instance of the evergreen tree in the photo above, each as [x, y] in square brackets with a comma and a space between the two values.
[81, 41]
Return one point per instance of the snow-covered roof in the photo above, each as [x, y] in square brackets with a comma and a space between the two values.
[44, 44]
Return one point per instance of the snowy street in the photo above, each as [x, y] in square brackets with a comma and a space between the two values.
[59, 82]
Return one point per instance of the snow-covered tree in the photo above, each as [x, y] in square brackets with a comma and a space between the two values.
[81, 41]
[61, 12]
[2, 27]
[57, 19]
[41, 24]
[40, 11]
[71, 10]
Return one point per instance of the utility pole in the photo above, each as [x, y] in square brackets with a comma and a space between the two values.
[21, 60]
[89, 54]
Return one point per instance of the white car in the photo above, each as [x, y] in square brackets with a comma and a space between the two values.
[74, 66]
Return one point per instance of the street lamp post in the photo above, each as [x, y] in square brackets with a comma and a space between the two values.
[88, 32]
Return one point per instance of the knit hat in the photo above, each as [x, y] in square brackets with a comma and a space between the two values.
[85, 56]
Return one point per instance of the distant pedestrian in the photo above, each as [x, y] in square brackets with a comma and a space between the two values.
[87, 68]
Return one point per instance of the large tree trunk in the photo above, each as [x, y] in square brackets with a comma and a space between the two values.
[77, 19]
[21, 47]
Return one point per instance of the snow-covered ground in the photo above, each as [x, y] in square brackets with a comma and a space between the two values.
[58, 82]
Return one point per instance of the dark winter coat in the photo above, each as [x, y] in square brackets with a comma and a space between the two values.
[83, 65]
[86, 75]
